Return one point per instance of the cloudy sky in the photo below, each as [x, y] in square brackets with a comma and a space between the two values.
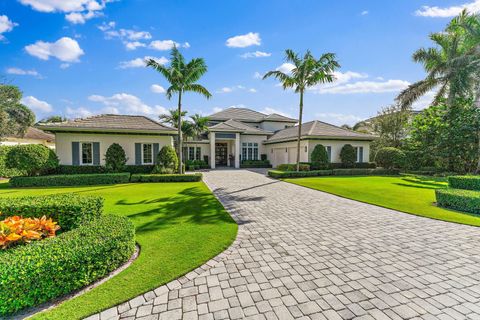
[82, 57]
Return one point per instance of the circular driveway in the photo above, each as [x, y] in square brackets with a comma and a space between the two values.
[301, 253]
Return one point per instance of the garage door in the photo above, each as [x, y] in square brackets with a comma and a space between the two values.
[278, 156]
[292, 155]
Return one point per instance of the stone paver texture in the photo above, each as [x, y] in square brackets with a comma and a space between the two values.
[301, 253]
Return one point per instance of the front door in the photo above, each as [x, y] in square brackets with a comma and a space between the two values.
[221, 154]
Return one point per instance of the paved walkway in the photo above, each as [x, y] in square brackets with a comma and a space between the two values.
[305, 254]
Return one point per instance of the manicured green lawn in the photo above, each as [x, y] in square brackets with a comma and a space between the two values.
[179, 227]
[409, 194]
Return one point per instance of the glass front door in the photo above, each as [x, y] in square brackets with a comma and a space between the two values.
[221, 154]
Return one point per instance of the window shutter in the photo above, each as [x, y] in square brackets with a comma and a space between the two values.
[329, 153]
[138, 154]
[96, 153]
[156, 149]
[75, 153]
[360, 156]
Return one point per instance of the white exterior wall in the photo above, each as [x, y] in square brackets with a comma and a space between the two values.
[275, 126]
[63, 143]
[205, 148]
[254, 138]
[337, 146]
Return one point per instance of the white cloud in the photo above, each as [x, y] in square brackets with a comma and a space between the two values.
[339, 118]
[157, 88]
[6, 25]
[234, 88]
[446, 12]
[22, 72]
[78, 112]
[162, 45]
[64, 49]
[217, 109]
[425, 101]
[77, 11]
[131, 39]
[37, 105]
[269, 110]
[127, 104]
[257, 75]
[364, 87]
[255, 54]
[364, 12]
[252, 90]
[286, 67]
[140, 62]
[134, 45]
[225, 90]
[246, 40]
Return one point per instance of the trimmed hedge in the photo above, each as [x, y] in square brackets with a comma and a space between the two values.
[464, 182]
[462, 200]
[293, 167]
[70, 180]
[68, 210]
[64, 169]
[47, 269]
[196, 165]
[255, 164]
[339, 165]
[166, 177]
[6, 172]
[278, 174]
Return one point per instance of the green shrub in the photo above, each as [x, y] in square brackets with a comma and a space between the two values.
[319, 156]
[166, 177]
[70, 180]
[458, 199]
[115, 158]
[348, 155]
[389, 158]
[196, 164]
[69, 210]
[464, 182]
[32, 158]
[47, 269]
[293, 167]
[64, 169]
[255, 164]
[5, 171]
[167, 158]
[278, 174]
[339, 165]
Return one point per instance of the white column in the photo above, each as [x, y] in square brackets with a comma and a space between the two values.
[212, 150]
[237, 150]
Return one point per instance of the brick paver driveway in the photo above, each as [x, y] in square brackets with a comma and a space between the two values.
[304, 253]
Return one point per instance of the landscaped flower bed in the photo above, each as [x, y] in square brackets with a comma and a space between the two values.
[17, 230]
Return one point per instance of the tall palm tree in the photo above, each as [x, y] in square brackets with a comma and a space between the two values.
[199, 124]
[171, 118]
[307, 72]
[182, 77]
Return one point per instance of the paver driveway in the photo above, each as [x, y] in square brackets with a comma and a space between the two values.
[304, 253]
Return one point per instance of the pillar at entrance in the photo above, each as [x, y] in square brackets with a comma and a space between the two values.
[212, 150]
[237, 150]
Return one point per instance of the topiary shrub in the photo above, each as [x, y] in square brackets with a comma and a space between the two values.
[348, 155]
[47, 269]
[167, 160]
[319, 156]
[5, 171]
[389, 158]
[34, 159]
[115, 158]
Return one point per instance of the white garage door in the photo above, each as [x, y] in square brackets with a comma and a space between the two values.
[278, 156]
[292, 155]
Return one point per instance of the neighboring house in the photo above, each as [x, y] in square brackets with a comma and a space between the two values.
[249, 134]
[85, 141]
[31, 136]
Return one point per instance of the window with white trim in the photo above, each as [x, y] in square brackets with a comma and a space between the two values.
[87, 153]
[329, 153]
[193, 153]
[249, 151]
[359, 154]
[147, 153]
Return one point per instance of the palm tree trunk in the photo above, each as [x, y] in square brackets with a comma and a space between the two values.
[180, 138]
[477, 104]
[300, 114]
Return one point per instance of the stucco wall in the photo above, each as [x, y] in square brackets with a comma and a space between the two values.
[251, 138]
[337, 146]
[63, 142]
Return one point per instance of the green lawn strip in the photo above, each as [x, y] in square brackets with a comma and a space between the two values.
[409, 194]
[179, 227]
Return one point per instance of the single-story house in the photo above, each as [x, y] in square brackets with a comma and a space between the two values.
[234, 135]
[31, 136]
[85, 141]
[249, 134]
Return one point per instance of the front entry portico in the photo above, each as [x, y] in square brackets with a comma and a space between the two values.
[223, 147]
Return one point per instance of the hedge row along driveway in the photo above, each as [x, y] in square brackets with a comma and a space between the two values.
[179, 226]
[410, 194]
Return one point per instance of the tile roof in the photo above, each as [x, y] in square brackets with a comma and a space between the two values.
[109, 122]
[236, 126]
[36, 134]
[319, 129]
[247, 115]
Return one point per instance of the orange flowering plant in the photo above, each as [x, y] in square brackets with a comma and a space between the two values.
[16, 230]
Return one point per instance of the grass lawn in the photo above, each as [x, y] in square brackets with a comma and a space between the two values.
[179, 227]
[409, 194]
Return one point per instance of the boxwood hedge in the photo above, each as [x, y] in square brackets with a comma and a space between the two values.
[70, 180]
[68, 210]
[166, 177]
[44, 270]
[458, 199]
[278, 174]
[464, 182]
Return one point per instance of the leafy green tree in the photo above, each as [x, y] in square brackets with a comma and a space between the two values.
[307, 72]
[391, 125]
[167, 159]
[182, 77]
[348, 155]
[34, 159]
[319, 156]
[15, 118]
[115, 158]
[53, 119]
[390, 157]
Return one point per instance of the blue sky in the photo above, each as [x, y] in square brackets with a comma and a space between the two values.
[82, 57]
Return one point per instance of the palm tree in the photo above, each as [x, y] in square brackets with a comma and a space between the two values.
[182, 77]
[307, 72]
[171, 118]
[199, 124]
